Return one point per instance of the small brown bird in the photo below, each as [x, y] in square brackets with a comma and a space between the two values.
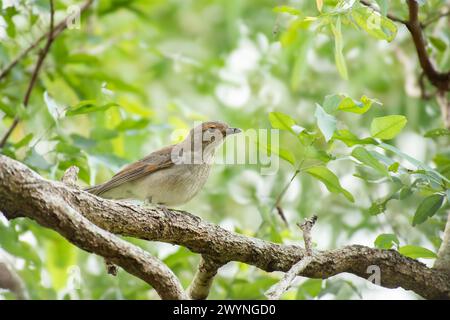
[172, 175]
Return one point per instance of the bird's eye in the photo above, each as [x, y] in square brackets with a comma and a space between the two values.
[211, 129]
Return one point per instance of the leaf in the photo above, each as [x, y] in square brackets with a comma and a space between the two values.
[330, 180]
[387, 127]
[384, 5]
[427, 208]
[368, 159]
[350, 139]
[439, 44]
[386, 241]
[287, 9]
[439, 132]
[319, 4]
[89, 106]
[24, 141]
[35, 160]
[7, 109]
[52, 106]
[394, 167]
[338, 48]
[416, 252]
[331, 102]
[325, 122]
[359, 107]
[309, 289]
[279, 120]
[131, 124]
[282, 153]
[375, 24]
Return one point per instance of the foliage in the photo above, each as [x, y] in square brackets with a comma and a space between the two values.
[375, 169]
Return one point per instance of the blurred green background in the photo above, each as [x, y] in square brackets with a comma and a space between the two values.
[160, 66]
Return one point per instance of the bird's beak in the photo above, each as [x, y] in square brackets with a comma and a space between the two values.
[232, 131]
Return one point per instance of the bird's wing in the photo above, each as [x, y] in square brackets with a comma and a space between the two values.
[157, 160]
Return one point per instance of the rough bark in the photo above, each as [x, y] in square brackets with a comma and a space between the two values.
[24, 193]
[443, 260]
[203, 278]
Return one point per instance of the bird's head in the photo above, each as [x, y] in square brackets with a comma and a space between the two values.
[207, 136]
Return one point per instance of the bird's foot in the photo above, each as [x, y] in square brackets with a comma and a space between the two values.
[169, 214]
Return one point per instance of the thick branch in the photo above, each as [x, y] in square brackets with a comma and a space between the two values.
[203, 278]
[58, 215]
[25, 193]
[443, 260]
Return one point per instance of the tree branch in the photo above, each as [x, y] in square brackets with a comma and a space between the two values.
[203, 278]
[24, 193]
[275, 292]
[60, 27]
[443, 260]
[34, 75]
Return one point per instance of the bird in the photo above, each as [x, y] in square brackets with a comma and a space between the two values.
[172, 175]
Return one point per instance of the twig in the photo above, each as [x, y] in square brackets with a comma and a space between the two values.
[34, 75]
[203, 278]
[60, 27]
[275, 292]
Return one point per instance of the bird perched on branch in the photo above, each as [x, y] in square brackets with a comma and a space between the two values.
[172, 175]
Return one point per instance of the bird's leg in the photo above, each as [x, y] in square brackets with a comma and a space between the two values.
[166, 211]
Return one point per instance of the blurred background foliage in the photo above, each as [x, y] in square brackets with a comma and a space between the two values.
[116, 89]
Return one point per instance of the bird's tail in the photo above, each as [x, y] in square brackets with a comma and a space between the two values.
[97, 190]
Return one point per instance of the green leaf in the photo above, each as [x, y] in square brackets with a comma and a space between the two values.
[387, 127]
[24, 141]
[131, 124]
[368, 159]
[89, 106]
[319, 5]
[338, 48]
[439, 132]
[287, 9]
[309, 289]
[386, 241]
[282, 153]
[359, 107]
[345, 103]
[52, 106]
[416, 252]
[350, 139]
[279, 120]
[439, 44]
[394, 167]
[325, 122]
[384, 5]
[427, 208]
[7, 109]
[35, 160]
[330, 180]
